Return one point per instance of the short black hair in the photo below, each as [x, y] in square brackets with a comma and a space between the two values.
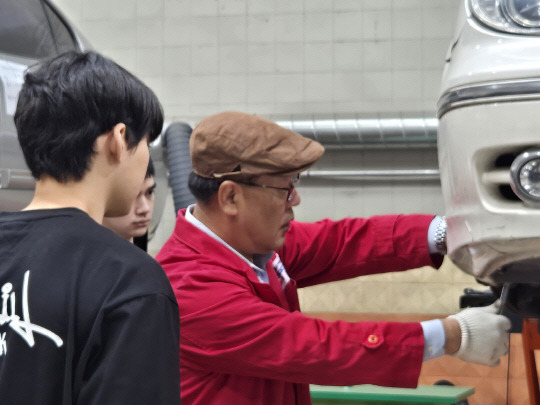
[68, 101]
[150, 171]
[202, 188]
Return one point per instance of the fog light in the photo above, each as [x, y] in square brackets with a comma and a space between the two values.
[525, 177]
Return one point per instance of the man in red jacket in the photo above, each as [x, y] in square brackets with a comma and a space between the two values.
[237, 256]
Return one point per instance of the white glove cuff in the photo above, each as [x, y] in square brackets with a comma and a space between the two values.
[465, 335]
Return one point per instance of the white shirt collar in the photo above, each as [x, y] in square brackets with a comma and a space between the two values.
[261, 260]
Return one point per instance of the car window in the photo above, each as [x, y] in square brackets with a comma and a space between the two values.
[29, 28]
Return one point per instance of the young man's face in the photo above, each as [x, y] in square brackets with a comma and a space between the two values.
[129, 179]
[268, 213]
[135, 223]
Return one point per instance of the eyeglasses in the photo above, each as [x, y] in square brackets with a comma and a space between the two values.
[289, 190]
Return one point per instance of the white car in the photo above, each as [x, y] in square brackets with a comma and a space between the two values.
[489, 141]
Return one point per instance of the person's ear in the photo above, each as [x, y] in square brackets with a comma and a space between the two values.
[116, 141]
[228, 197]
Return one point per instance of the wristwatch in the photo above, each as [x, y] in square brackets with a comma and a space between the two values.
[440, 236]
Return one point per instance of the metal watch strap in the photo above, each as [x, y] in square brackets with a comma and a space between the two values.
[440, 236]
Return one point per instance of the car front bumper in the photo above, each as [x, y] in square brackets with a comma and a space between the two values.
[478, 138]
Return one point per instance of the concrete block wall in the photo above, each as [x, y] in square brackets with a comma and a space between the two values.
[276, 57]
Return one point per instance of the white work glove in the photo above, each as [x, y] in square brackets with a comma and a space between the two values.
[484, 334]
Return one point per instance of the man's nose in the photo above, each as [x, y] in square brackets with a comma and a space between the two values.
[142, 206]
[295, 198]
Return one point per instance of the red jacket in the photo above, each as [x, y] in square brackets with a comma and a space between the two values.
[245, 342]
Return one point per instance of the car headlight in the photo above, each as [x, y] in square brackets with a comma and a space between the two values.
[511, 16]
[525, 177]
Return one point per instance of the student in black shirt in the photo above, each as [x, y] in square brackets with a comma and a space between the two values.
[85, 316]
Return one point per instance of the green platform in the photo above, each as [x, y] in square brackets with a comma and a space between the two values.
[375, 395]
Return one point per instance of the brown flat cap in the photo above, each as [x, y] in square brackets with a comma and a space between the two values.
[239, 145]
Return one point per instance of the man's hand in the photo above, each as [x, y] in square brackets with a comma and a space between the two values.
[478, 335]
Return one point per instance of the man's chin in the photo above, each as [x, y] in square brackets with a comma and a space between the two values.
[279, 243]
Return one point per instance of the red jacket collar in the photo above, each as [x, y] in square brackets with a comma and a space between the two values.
[198, 241]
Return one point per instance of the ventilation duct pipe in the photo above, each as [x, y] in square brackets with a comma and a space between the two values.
[375, 175]
[386, 133]
[368, 132]
[176, 139]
